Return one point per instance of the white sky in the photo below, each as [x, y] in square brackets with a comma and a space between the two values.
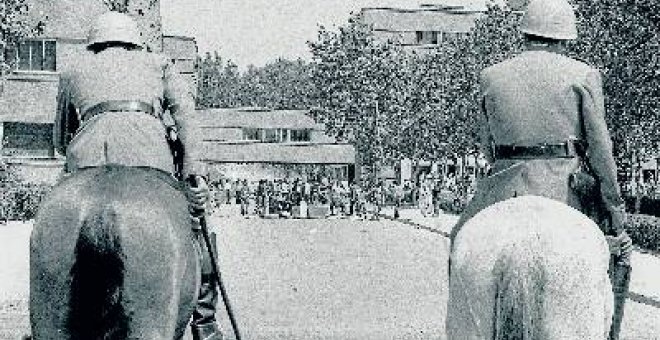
[258, 31]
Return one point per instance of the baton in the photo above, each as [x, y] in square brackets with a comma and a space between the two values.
[199, 213]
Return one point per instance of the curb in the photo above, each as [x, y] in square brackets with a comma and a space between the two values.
[416, 225]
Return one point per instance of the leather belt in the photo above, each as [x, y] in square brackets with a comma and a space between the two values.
[118, 106]
[542, 151]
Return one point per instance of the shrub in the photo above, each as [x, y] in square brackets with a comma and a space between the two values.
[647, 205]
[452, 203]
[644, 230]
[19, 200]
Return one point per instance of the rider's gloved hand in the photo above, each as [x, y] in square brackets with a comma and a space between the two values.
[618, 219]
[618, 240]
[198, 194]
[620, 245]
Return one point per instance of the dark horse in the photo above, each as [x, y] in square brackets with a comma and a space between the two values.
[112, 256]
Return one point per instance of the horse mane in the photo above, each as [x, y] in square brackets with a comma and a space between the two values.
[520, 282]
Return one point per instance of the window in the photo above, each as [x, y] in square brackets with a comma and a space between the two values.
[250, 134]
[27, 140]
[37, 55]
[427, 37]
[276, 135]
[271, 136]
[300, 135]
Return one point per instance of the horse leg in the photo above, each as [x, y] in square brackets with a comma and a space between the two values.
[159, 292]
[52, 245]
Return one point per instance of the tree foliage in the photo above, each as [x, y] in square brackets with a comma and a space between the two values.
[14, 26]
[363, 89]
[620, 37]
[428, 102]
[282, 84]
[392, 103]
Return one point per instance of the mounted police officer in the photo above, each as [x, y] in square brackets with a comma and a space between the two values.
[110, 110]
[542, 123]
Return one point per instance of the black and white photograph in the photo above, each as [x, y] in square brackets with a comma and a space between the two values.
[330, 169]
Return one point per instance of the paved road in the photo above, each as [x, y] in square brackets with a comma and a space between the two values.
[334, 279]
[313, 279]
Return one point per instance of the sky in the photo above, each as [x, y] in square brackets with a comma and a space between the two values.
[258, 31]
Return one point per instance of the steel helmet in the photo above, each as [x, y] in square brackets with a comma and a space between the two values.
[114, 27]
[553, 19]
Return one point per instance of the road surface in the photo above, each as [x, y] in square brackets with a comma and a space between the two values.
[312, 279]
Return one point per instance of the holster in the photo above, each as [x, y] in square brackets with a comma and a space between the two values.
[584, 184]
[587, 188]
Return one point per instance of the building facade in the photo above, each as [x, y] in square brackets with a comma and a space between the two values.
[420, 28]
[183, 52]
[259, 143]
[28, 96]
[428, 26]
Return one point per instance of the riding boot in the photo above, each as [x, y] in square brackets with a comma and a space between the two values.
[204, 325]
[620, 278]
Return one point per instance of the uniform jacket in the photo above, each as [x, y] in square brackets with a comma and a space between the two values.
[127, 138]
[540, 97]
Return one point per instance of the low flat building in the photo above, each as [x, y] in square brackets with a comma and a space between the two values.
[259, 143]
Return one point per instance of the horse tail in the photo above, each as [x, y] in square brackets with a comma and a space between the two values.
[97, 279]
[520, 282]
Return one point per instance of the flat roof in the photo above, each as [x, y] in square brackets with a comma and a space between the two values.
[290, 153]
[256, 118]
[425, 19]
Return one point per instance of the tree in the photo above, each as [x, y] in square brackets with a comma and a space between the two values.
[620, 37]
[282, 84]
[364, 91]
[391, 103]
[219, 83]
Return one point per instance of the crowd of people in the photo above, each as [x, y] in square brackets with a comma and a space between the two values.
[293, 197]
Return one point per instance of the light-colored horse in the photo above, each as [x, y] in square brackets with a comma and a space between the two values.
[112, 257]
[529, 268]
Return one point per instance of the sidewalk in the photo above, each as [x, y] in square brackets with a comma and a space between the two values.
[645, 281]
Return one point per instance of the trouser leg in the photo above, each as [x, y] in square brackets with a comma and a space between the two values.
[204, 325]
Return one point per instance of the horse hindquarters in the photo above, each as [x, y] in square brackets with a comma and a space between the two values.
[104, 267]
[529, 268]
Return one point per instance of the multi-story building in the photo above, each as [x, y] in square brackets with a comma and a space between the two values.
[426, 27]
[260, 143]
[183, 52]
[420, 28]
[28, 95]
